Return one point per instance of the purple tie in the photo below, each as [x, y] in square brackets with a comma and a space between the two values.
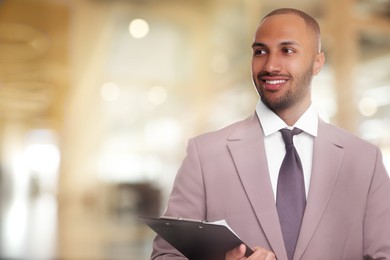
[290, 197]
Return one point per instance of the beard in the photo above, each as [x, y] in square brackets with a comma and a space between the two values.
[298, 90]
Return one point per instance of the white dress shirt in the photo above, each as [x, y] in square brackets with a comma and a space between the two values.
[274, 144]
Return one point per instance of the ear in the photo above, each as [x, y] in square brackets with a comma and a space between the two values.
[319, 61]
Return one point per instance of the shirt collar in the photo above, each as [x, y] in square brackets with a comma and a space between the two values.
[272, 123]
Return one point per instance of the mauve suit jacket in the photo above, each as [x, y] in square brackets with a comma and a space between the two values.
[225, 176]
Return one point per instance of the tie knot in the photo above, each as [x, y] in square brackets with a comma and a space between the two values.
[288, 134]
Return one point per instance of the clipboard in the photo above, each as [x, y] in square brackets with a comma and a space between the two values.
[196, 239]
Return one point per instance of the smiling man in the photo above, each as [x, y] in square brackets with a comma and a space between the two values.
[290, 185]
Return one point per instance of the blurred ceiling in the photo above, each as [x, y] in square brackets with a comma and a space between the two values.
[37, 69]
[33, 61]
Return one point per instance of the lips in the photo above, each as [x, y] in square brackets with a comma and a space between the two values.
[272, 83]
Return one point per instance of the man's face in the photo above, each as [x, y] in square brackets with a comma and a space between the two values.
[284, 61]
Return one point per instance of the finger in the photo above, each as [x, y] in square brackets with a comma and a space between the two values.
[270, 256]
[236, 253]
[262, 253]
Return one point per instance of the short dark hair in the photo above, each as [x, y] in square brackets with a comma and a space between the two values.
[310, 21]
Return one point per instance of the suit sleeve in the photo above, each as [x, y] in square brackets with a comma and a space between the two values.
[377, 216]
[187, 200]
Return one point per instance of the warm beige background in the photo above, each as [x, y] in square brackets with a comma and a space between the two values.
[94, 122]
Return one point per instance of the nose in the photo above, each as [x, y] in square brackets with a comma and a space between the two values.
[272, 64]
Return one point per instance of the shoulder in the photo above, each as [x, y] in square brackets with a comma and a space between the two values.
[358, 157]
[345, 139]
[235, 130]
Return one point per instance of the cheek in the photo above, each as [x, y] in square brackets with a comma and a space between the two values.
[257, 66]
[296, 67]
[314, 66]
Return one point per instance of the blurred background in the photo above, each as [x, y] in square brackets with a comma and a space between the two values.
[99, 97]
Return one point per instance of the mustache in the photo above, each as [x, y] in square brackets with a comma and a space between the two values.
[271, 74]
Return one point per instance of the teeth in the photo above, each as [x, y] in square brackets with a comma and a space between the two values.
[275, 81]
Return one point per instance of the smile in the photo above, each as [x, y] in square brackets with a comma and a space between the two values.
[274, 82]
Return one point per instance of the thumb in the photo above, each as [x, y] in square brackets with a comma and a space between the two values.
[242, 249]
[236, 253]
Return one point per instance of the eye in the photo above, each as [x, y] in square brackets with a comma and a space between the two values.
[288, 50]
[259, 52]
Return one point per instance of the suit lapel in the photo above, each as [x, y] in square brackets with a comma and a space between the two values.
[327, 158]
[246, 145]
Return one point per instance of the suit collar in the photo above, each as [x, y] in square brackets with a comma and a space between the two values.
[327, 159]
[247, 148]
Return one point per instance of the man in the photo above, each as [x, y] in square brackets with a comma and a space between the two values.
[233, 173]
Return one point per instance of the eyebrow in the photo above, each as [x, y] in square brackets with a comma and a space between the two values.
[284, 43]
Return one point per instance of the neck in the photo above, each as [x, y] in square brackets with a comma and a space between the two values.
[291, 115]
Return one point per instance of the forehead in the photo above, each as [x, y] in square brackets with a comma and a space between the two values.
[284, 27]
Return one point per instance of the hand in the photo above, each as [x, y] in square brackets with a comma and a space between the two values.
[259, 253]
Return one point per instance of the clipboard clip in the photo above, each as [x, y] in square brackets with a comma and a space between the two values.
[183, 219]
